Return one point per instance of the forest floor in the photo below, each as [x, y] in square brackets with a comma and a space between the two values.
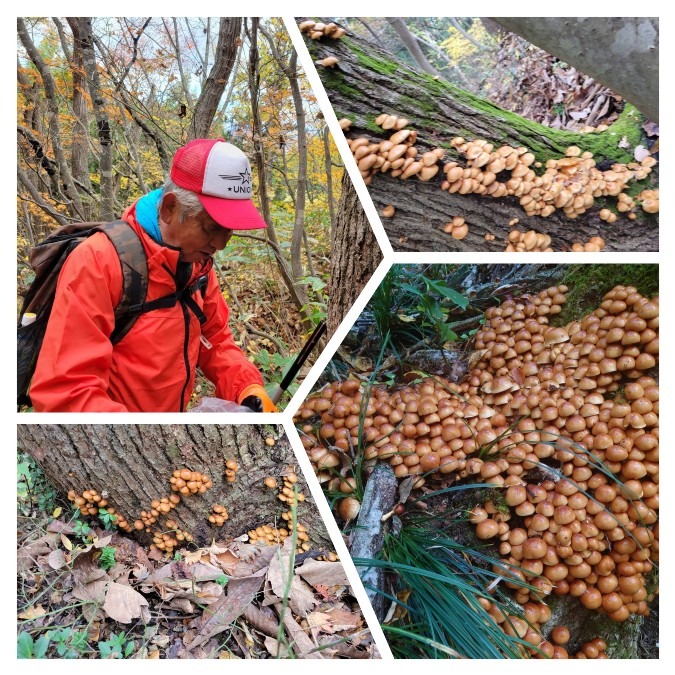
[84, 592]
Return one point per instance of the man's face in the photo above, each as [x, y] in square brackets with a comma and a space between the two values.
[198, 237]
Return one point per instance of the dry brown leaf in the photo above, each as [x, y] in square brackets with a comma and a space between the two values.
[57, 559]
[219, 616]
[227, 561]
[182, 604]
[192, 557]
[94, 632]
[280, 572]
[320, 621]
[343, 619]
[153, 654]
[302, 645]
[59, 526]
[272, 646]
[209, 593]
[317, 572]
[123, 603]
[27, 555]
[89, 580]
[33, 613]
[301, 597]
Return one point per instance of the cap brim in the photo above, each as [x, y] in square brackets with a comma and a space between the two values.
[234, 214]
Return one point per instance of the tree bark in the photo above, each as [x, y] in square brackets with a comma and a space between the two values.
[209, 99]
[620, 52]
[133, 464]
[297, 294]
[355, 255]
[50, 92]
[79, 149]
[84, 40]
[411, 44]
[368, 81]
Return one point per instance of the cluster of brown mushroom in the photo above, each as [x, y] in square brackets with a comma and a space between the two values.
[231, 468]
[457, 228]
[529, 628]
[571, 183]
[317, 30]
[649, 200]
[593, 245]
[544, 415]
[158, 507]
[267, 535]
[191, 482]
[528, 241]
[171, 539]
[397, 155]
[218, 515]
[89, 503]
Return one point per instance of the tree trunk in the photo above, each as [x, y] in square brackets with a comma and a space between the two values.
[411, 44]
[50, 93]
[226, 51]
[367, 81]
[596, 46]
[297, 293]
[84, 41]
[133, 464]
[79, 150]
[355, 255]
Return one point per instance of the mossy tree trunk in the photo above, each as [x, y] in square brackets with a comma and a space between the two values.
[133, 464]
[368, 81]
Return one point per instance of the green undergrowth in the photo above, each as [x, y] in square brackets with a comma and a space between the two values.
[437, 587]
[589, 283]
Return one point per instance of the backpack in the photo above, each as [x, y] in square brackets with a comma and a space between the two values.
[48, 257]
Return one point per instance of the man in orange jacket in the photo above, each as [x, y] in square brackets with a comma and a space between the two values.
[152, 368]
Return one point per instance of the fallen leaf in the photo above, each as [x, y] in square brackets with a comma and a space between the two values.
[301, 597]
[94, 632]
[280, 571]
[623, 143]
[59, 526]
[101, 543]
[325, 573]
[343, 619]
[227, 561]
[123, 603]
[303, 645]
[640, 153]
[66, 542]
[33, 613]
[182, 604]
[193, 557]
[272, 646]
[56, 559]
[320, 621]
[89, 580]
[27, 555]
[153, 654]
[219, 616]
[57, 512]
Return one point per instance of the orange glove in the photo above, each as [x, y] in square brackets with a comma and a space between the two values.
[256, 398]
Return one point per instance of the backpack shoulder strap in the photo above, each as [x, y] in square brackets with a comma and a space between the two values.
[134, 265]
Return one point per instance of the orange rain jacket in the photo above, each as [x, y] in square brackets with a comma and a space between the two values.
[152, 369]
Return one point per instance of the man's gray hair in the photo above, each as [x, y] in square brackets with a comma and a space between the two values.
[188, 202]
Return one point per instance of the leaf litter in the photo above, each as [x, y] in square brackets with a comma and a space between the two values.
[227, 600]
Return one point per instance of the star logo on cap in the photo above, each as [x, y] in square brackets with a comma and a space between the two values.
[245, 177]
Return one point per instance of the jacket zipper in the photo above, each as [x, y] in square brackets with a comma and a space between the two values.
[186, 319]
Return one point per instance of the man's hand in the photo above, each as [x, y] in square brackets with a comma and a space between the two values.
[255, 397]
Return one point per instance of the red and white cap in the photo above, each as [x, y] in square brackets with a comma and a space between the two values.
[220, 175]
